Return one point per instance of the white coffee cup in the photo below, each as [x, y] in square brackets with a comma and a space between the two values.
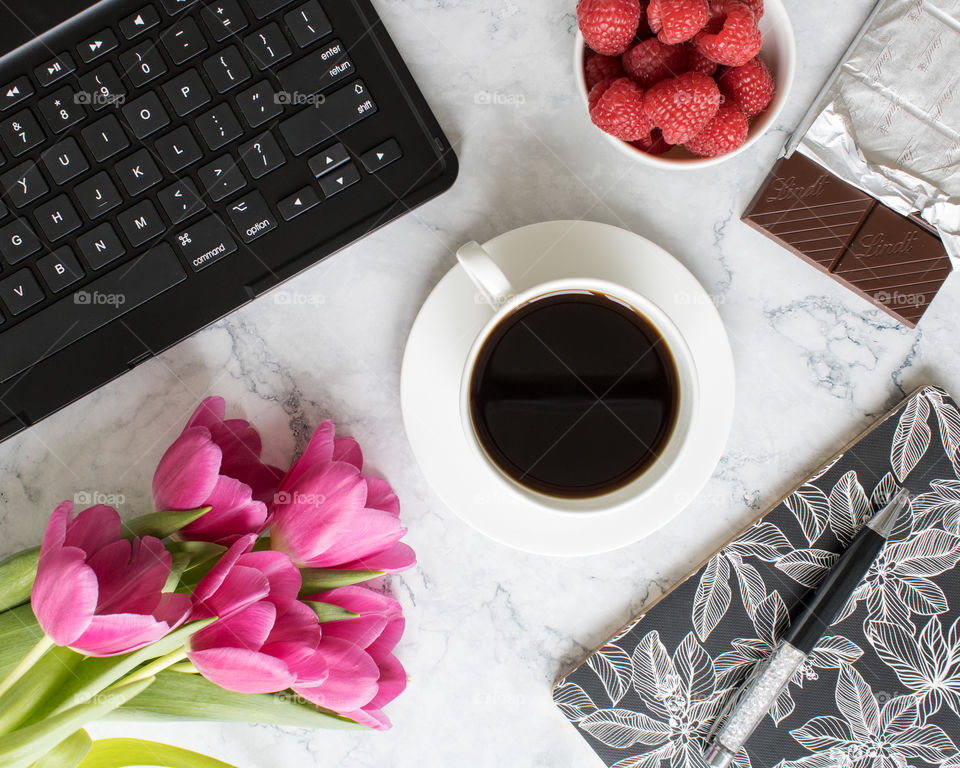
[496, 290]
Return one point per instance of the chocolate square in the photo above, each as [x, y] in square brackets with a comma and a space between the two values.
[809, 210]
[896, 264]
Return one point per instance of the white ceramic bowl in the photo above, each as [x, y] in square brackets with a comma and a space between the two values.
[779, 53]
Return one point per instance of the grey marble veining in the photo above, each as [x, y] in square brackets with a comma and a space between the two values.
[488, 628]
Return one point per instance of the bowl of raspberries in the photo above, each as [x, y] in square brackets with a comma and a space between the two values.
[684, 83]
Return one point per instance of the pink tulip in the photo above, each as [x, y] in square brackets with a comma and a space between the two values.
[376, 630]
[216, 463]
[99, 593]
[329, 515]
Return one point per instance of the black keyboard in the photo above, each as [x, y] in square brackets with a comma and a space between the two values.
[162, 164]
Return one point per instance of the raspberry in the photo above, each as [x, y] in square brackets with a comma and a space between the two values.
[653, 144]
[618, 109]
[651, 61]
[608, 26]
[682, 106]
[723, 134]
[675, 21]
[750, 86]
[599, 67]
[596, 92]
[697, 62]
[732, 38]
[716, 7]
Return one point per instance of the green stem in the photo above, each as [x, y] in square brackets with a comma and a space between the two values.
[153, 668]
[33, 656]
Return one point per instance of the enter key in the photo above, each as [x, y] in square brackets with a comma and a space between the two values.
[316, 71]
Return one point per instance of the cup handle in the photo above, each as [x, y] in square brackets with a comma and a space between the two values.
[485, 274]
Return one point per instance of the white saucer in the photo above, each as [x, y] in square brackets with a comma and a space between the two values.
[446, 327]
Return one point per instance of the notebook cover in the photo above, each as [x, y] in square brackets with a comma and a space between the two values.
[880, 690]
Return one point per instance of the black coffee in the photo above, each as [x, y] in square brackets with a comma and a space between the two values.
[574, 394]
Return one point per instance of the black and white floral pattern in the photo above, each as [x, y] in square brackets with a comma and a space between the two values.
[880, 690]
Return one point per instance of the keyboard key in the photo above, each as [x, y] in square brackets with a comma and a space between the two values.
[59, 66]
[100, 246]
[61, 109]
[141, 223]
[180, 201]
[137, 23]
[15, 92]
[227, 69]
[146, 115]
[221, 178]
[205, 242]
[83, 312]
[219, 126]
[18, 240]
[142, 64]
[259, 104]
[21, 132]
[105, 138]
[297, 203]
[24, 184]
[95, 47]
[308, 23]
[251, 216]
[60, 269]
[340, 110]
[175, 6]
[332, 157]
[186, 92]
[262, 155]
[183, 41]
[57, 218]
[97, 195]
[381, 156]
[268, 46]
[138, 172]
[20, 291]
[101, 88]
[263, 8]
[334, 183]
[178, 149]
[65, 161]
[223, 19]
[317, 70]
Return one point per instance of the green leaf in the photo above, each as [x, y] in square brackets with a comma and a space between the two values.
[117, 753]
[19, 632]
[43, 681]
[162, 524]
[17, 573]
[69, 753]
[322, 579]
[176, 696]
[23, 747]
[330, 612]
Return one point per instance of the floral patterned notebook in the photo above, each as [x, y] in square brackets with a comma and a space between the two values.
[880, 690]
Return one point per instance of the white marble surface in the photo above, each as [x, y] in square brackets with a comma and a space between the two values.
[490, 629]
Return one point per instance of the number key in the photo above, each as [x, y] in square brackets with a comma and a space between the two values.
[61, 110]
[21, 132]
[102, 88]
[142, 64]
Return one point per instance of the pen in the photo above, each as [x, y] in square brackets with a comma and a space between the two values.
[758, 695]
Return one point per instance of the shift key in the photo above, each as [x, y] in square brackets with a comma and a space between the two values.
[313, 125]
[205, 242]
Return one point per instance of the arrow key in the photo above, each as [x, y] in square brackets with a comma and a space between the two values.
[380, 157]
[96, 46]
[15, 92]
[330, 158]
[333, 183]
[298, 202]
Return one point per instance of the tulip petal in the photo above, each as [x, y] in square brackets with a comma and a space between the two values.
[64, 594]
[173, 608]
[116, 633]
[93, 528]
[352, 536]
[215, 578]
[394, 559]
[242, 671]
[297, 623]
[188, 471]
[392, 682]
[233, 513]
[352, 681]
[381, 496]
[240, 588]
[372, 718]
[374, 610]
[347, 449]
[248, 629]
[380, 648]
[319, 451]
[280, 571]
[56, 530]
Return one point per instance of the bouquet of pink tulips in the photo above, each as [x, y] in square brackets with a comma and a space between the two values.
[240, 600]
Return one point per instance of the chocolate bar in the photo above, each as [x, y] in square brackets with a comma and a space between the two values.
[894, 261]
